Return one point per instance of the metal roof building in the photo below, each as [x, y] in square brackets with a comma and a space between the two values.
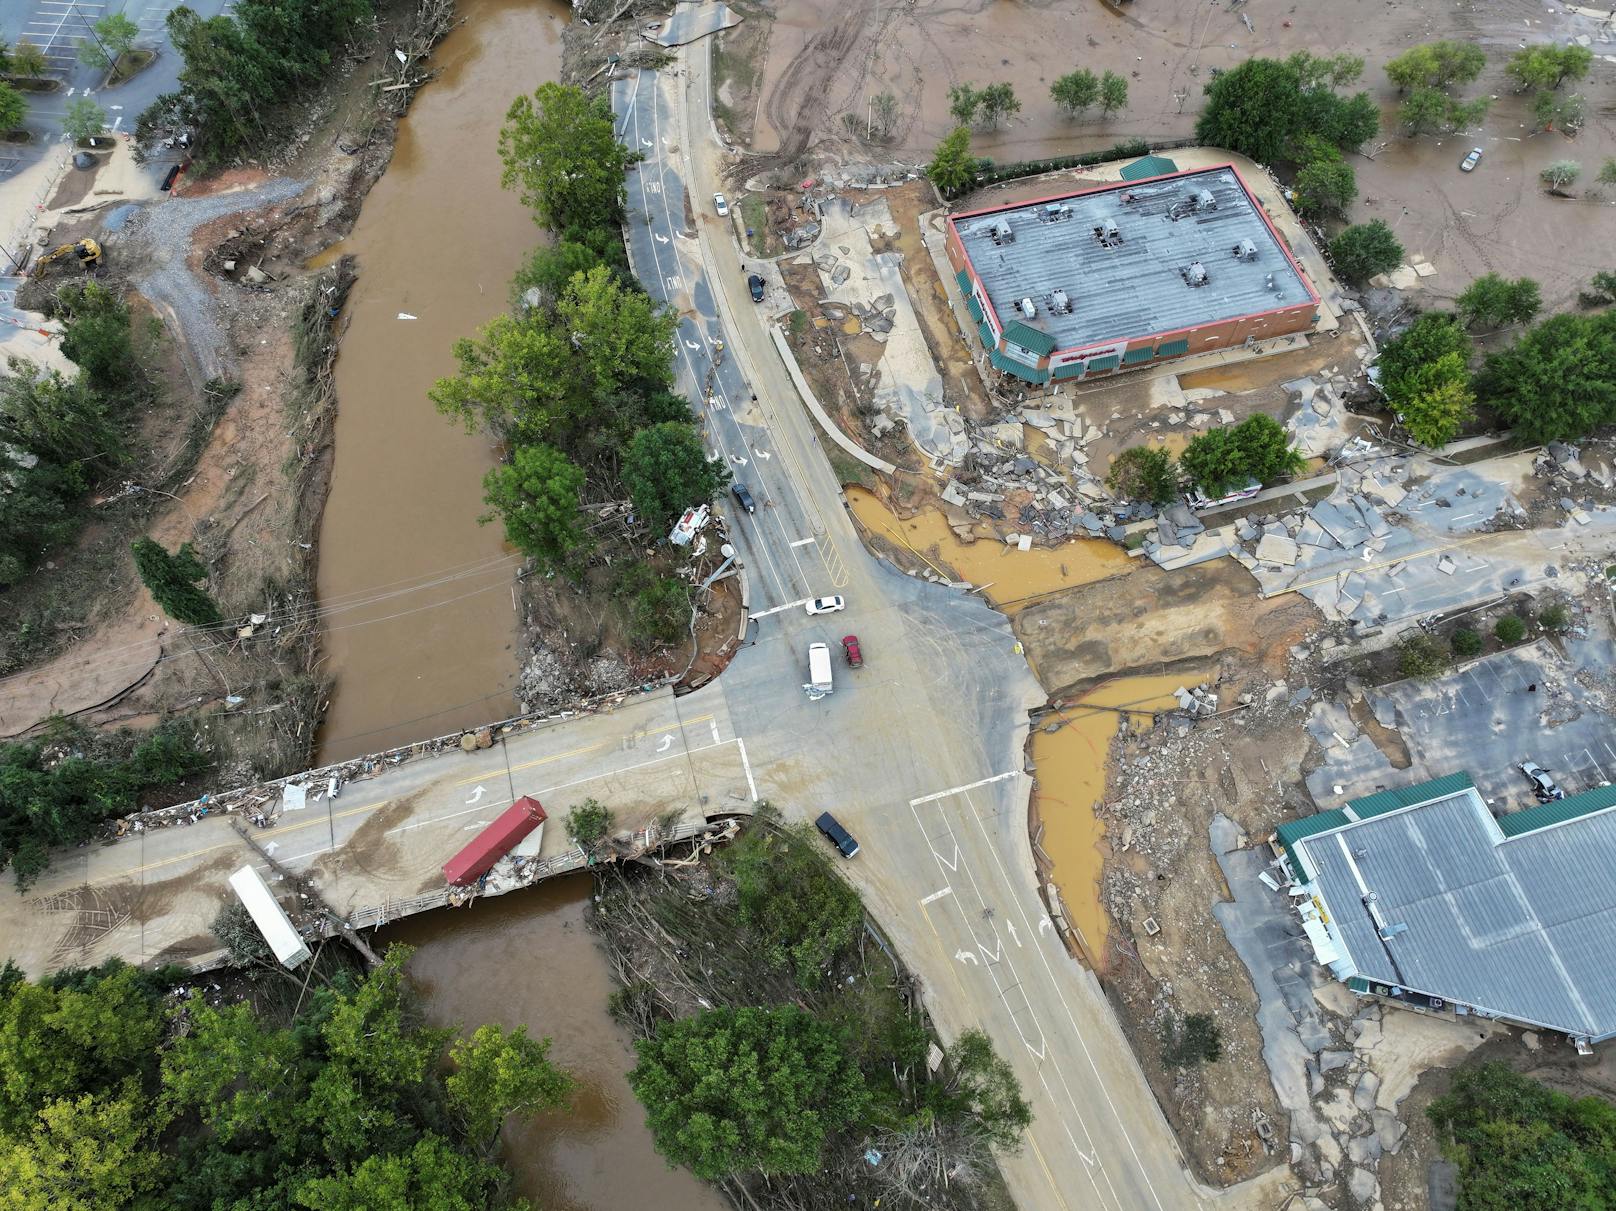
[1421, 894]
[1109, 279]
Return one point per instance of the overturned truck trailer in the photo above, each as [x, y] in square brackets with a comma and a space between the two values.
[270, 917]
[494, 842]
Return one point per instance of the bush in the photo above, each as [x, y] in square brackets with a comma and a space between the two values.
[1510, 629]
[1418, 655]
[1144, 473]
[1197, 1040]
[171, 579]
[661, 612]
[1555, 619]
[589, 823]
[1466, 643]
[1365, 249]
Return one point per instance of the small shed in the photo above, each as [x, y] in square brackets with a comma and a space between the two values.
[1149, 166]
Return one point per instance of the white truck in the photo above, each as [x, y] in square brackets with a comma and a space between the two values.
[819, 682]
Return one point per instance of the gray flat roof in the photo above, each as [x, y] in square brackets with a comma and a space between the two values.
[1134, 288]
[1523, 926]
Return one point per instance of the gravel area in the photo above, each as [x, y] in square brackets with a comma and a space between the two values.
[160, 236]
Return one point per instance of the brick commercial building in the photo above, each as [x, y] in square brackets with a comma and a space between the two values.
[1092, 283]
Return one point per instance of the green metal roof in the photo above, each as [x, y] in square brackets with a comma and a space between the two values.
[1544, 814]
[1140, 353]
[1150, 166]
[963, 277]
[1030, 339]
[1173, 348]
[974, 307]
[986, 333]
[1010, 366]
[1109, 362]
[1070, 370]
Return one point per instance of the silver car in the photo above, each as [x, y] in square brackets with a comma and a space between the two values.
[1468, 164]
[1543, 784]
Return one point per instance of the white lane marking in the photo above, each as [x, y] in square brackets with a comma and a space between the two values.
[937, 895]
[666, 742]
[746, 765]
[790, 605]
[476, 795]
[715, 730]
[803, 542]
[970, 786]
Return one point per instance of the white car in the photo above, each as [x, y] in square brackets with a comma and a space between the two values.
[826, 605]
[1468, 164]
[720, 205]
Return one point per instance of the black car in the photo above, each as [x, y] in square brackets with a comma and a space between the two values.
[755, 285]
[744, 495]
[839, 836]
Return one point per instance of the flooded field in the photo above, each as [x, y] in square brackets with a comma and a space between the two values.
[1008, 576]
[1070, 765]
[437, 241]
[528, 959]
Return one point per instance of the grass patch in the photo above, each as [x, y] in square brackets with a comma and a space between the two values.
[756, 217]
[130, 64]
[849, 471]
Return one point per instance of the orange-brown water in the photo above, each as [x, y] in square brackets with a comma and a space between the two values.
[437, 239]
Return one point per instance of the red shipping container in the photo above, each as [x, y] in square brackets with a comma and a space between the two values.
[494, 842]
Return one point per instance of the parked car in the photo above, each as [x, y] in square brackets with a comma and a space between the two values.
[1543, 784]
[826, 605]
[743, 494]
[720, 205]
[850, 646]
[839, 836]
[1468, 164]
[755, 285]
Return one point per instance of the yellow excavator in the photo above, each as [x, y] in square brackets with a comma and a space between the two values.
[87, 251]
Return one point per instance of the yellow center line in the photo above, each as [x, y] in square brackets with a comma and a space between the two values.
[1044, 1165]
[315, 822]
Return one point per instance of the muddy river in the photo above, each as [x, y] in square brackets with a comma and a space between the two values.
[422, 637]
[527, 958]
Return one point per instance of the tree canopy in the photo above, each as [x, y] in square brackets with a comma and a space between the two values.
[1227, 458]
[171, 578]
[561, 151]
[1436, 65]
[1264, 107]
[1424, 373]
[1558, 382]
[1365, 249]
[952, 167]
[732, 1090]
[1076, 91]
[1143, 473]
[1492, 301]
[666, 471]
[536, 495]
[1548, 65]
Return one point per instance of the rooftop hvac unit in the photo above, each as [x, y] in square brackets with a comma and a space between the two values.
[1245, 250]
[1026, 308]
[1195, 274]
[1205, 200]
[1001, 232]
[1060, 304]
[1056, 211]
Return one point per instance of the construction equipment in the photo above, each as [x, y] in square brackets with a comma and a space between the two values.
[87, 251]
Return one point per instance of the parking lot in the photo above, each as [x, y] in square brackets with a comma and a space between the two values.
[1520, 705]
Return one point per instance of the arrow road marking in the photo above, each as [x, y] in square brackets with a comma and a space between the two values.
[937, 895]
[997, 952]
[763, 454]
[666, 742]
[476, 795]
[1013, 936]
[965, 956]
[1045, 923]
[662, 239]
[952, 865]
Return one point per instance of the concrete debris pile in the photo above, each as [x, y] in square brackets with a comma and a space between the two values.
[1318, 427]
[1000, 480]
[1198, 703]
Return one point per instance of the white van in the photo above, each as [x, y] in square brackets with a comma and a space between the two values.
[819, 683]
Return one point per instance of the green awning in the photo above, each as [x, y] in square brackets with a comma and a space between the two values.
[1029, 338]
[1141, 354]
[1109, 362]
[1173, 348]
[1150, 166]
[974, 307]
[1069, 370]
[989, 341]
[1010, 366]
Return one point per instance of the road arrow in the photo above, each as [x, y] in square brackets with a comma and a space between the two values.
[763, 454]
[662, 239]
[666, 742]
[1045, 923]
[1037, 1051]
[952, 865]
[476, 795]
[997, 952]
[1013, 937]
[965, 956]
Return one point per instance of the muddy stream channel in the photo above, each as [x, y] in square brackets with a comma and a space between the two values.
[422, 640]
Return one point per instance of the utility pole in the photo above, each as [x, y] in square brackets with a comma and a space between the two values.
[90, 29]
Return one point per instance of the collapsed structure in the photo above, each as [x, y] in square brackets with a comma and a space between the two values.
[1103, 280]
[1421, 895]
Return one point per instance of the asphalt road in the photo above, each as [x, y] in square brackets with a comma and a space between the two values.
[920, 753]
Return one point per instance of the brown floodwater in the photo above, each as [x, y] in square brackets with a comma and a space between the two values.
[1070, 770]
[528, 959]
[420, 609]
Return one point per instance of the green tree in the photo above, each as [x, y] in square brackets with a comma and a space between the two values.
[1548, 66]
[171, 579]
[1466, 643]
[1336, 71]
[1495, 302]
[498, 1074]
[788, 895]
[561, 151]
[666, 471]
[883, 116]
[1601, 289]
[1365, 249]
[1214, 462]
[1195, 1040]
[1436, 65]
[589, 823]
[1076, 91]
[997, 101]
[536, 496]
[1551, 110]
[734, 1090]
[1265, 107]
[1420, 656]
[1265, 448]
[660, 613]
[27, 61]
[1326, 185]
[431, 1174]
[13, 108]
[964, 102]
[97, 338]
[1113, 92]
[1144, 473]
[1432, 335]
[1558, 382]
[115, 34]
[58, 419]
[1510, 629]
[515, 380]
[84, 120]
[953, 168]
[1437, 400]
[1555, 619]
[982, 1088]
[1607, 171]
[1432, 111]
[1560, 174]
[621, 335]
[84, 1154]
